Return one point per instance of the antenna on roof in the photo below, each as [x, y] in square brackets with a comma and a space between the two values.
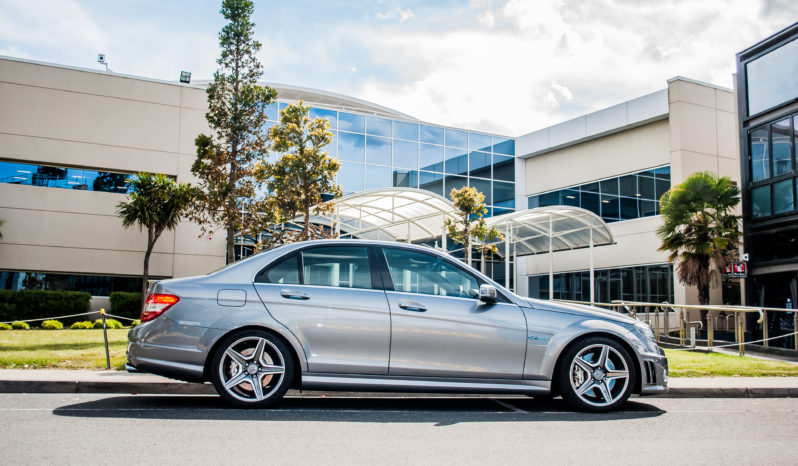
[101, 60]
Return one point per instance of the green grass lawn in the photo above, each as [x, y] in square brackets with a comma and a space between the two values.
[84, 349]
[61, 349]
[695, 364]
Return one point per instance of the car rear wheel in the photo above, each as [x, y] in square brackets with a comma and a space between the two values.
[596, 375]
[252, 369]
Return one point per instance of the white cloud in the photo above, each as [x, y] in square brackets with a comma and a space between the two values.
[544, 62]
[396, 13]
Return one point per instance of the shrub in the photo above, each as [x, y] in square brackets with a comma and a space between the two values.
[20, 326]
[82, 325]
[109, 323]
[32, 304]
[125, 304]
[5, 327]
[52, 325]
[135, 323]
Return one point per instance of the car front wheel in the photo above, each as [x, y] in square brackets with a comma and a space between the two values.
[596, 375]
[252, 369]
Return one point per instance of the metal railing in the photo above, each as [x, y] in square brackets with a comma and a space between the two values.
[665, 313]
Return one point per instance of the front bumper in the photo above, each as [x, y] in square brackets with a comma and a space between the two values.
[654, 375]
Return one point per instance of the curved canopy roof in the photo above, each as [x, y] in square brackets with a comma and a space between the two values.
[415, 215]
[397, 214]
[569, 228]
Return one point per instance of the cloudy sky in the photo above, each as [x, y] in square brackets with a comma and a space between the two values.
[504, 66]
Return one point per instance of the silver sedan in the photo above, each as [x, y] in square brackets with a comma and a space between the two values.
[379, 316]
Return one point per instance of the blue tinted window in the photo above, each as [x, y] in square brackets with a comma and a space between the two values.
[271, 111]
[405, 154]
[405, 178]
[454, 182]
[350, 177]
[503, 168]
[404, 130]
[431, 182]
[479, 164]
[282, 106]
[647, 189]
[628, 185]
[351, 122]
[456, 138]
[378, 177]
[503, 192]
[431, 134]
[330, 115]
[552, 198]
[571, 197]
[431, 157]
[771, 78]
[479, 142]
[378, 150]
[760, 201]
[782, 153]
[332, 147]
[65, 178]
[482, 186]
[351, 147]
[503, 146]
[378, 126]
[782, 197]
[590, 201]
[456, 161]
[610, 207]
[628, 208]
[533, 202]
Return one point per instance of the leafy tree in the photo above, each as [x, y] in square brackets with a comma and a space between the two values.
[700, 229]
[304, 173]
[470, 225]
[236, 114]
[157, 204]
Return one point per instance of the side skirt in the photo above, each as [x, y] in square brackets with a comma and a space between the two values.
[325, 381]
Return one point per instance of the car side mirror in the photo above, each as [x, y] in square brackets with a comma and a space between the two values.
[487, 293]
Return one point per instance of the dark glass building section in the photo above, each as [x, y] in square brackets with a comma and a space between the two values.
[97, 285]
[647, 283]
[625, 197]
[767, 100]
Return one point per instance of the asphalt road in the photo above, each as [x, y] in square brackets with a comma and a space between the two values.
[131, 429]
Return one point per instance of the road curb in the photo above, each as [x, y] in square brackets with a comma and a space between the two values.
[184, 388]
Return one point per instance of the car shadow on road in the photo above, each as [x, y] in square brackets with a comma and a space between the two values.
[438, 410]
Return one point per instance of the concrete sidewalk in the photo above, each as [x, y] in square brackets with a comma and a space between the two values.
[84, 381]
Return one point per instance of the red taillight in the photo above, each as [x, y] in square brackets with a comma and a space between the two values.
[156, 305]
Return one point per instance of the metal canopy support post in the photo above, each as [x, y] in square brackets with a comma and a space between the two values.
[592, 271]
[507, 242]
[443, 236]
[551, 260]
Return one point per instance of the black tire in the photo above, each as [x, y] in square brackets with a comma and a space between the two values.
[588, 384]
[235, 368]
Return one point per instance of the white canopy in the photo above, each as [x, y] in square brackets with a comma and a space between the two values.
[395, 214]
[529, 231]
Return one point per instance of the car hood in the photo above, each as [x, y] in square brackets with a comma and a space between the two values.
[581, 309]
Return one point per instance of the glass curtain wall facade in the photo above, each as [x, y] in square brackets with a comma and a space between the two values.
[647, 283]
[768, 126]
[625, 197]
[378, 152]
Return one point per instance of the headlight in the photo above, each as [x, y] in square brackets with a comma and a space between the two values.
[646, 331]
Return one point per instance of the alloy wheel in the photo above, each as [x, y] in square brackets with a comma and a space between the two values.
[599, 375]
[251, 369]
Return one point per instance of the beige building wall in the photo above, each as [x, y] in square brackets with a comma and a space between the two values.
[86, 119]
[697, 133]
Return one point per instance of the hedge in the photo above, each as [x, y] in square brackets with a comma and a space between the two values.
[125, 304]
[34, 304]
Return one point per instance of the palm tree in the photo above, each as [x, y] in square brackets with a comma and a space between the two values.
[700, 229]
[155, 203]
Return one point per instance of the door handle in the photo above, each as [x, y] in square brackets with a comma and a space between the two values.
[293, 294]
[411, 306]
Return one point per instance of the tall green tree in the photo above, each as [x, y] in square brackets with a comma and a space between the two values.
[700, 229]
[236, 115]
[470, 226]
[155, 203]
[302, 174]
